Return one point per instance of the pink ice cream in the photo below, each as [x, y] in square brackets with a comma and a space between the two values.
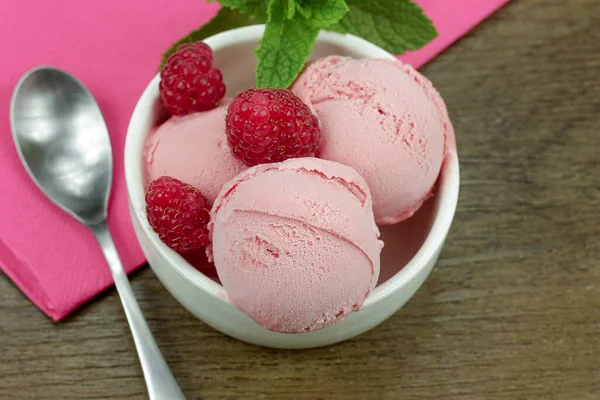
[385, 120]
[295, 243]
[193, 149]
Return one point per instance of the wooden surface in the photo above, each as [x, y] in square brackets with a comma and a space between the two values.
[512, 311]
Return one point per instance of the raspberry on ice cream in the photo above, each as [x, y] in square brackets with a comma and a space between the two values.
[189, 83]
[295, 243]
[178, 213]
[271, 125]
[198, 47]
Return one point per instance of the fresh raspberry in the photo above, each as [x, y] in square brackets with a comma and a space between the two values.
[179, 213]
[190, 49]
[271, 125]
[188, 82]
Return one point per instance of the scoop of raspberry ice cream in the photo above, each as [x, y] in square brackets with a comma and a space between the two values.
[385, 120]
[295, 243]
[193, 149]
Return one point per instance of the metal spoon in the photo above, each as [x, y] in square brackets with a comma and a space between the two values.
[63, 143]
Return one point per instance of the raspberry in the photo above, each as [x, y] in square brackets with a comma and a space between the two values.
[190, 49]
[271, 125]
[178, 213]
[188, 82]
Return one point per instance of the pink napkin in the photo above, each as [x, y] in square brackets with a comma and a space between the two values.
[114, 48]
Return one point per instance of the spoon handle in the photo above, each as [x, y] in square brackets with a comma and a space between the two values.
[159, 379]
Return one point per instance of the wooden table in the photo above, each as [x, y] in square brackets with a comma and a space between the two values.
[512, 310]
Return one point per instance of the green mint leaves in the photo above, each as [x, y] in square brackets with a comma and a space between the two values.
[293, 25]
[322, 13]
[291, 8]
[284, 47]
[395, 25]
[291, 30]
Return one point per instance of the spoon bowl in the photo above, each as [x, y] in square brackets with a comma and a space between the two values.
[63, 142]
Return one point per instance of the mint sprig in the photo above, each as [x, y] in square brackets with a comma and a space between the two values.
[284, 47]
[322, 13]
[395, 25]
[290, 8]
[293, 25]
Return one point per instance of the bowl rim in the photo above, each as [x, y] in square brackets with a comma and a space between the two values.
[139, 127]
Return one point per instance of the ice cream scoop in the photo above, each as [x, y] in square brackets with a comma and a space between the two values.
[385, 120]
[295, 243]
[193, 149]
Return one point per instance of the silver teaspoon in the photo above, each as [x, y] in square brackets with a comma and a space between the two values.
[63, 142]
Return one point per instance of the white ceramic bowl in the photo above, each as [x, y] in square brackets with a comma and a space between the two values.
[206, 299]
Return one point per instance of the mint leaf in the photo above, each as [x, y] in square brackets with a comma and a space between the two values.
[284, 47]
[322, 13]
[225, 19]
[395, 25]
[291, 8]
[252, 7]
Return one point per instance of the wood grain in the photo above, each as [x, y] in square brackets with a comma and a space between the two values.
[512, 310]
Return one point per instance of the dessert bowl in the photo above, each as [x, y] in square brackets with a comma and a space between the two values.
[411, 247]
